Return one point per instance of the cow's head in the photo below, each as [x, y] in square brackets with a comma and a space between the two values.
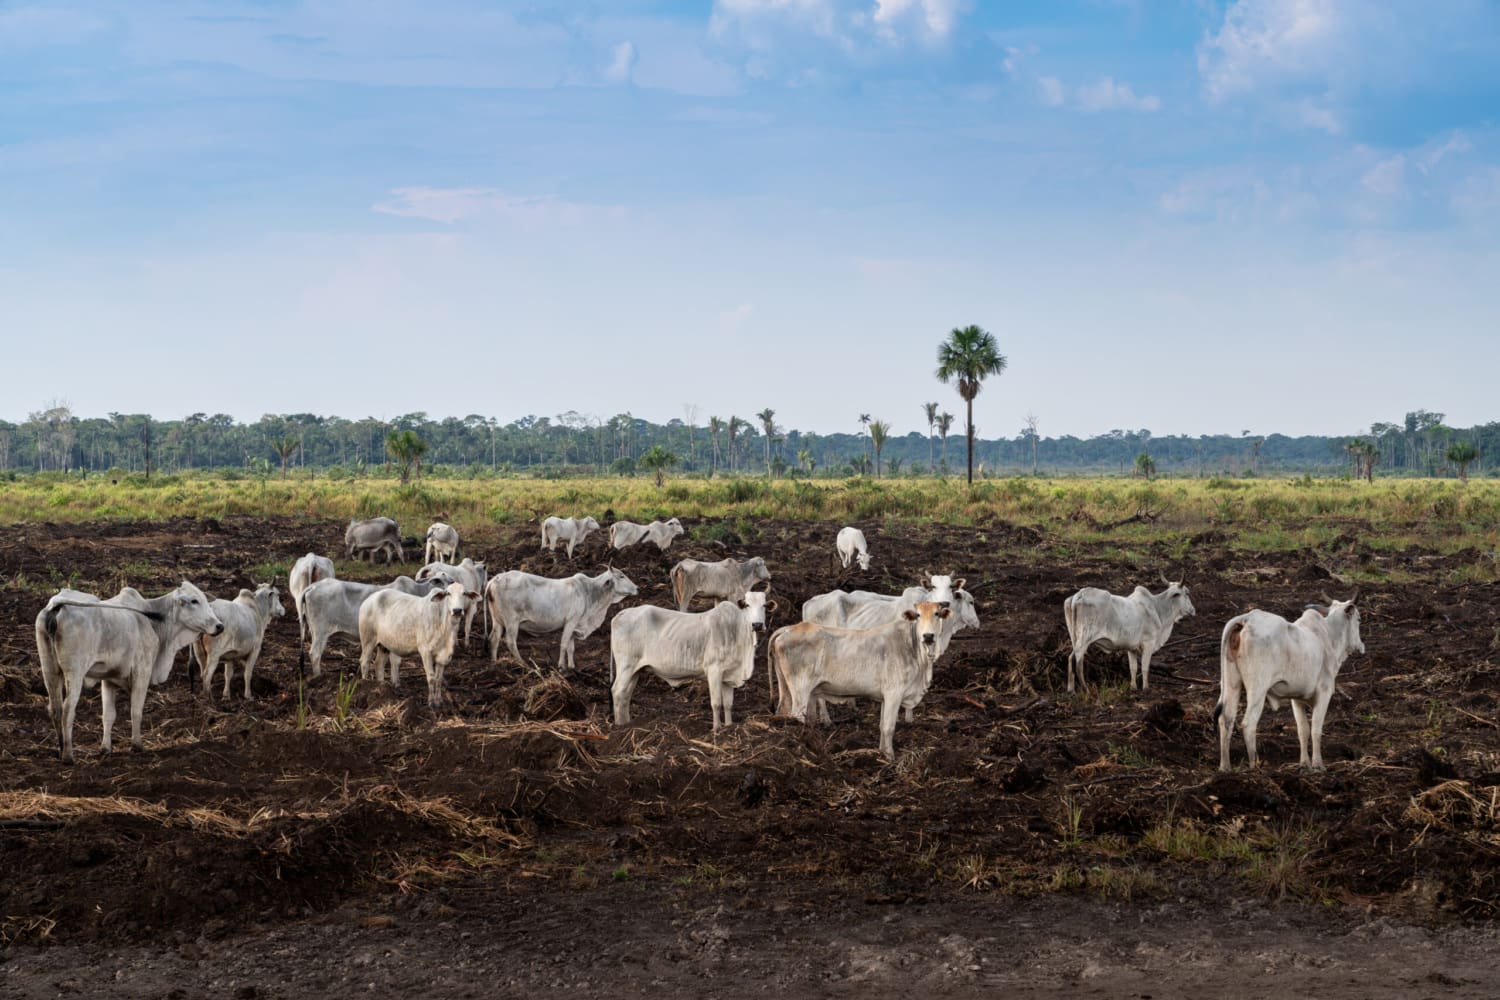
[457, 600]
[589, 524]
[1350, 613]
[928, 615]
[940, 588]
[620, 584]
[194, 612]
[758, 568]
[963, 606]
[1178, 594]
[864, 559]
[268, 599]
[757, 609]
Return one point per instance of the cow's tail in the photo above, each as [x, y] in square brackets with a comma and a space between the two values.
[773, 667]
[1230, 648]
[1070, 616]
[679, 583]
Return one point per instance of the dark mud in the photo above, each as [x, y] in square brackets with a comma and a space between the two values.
[1013, 812]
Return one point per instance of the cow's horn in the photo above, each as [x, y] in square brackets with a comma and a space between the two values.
[1355, 598]
[1326, 599]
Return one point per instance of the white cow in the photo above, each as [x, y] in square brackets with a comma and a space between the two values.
[442, 542]
[623, 534]
[245, 619]
[727, 580]
[1275, 660]
[126, 642]
[891, 663]
[473, 576]
[400, 625]
[884, 610]
[305, 572]
[864, 609]
[374, 535]
[567, 529]
[1139, 625]
[576, 606]
[717, 645]
[851, 546]
[332, 607]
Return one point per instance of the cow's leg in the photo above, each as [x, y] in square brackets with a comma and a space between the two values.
[367, 653]
[510, 640]
[434, 697]
[315, 653]
[909, 710]
[250, 662]
[394, 663]
[69, 715]
[1319, 711]
[1299, 712]
[890, 707]
[728, 699]
[107, 700]
[1255, 703]
[1075, 666]
[565, 651]
[623, 690]
[715, 698]
[823, 717]
[1146, 669]
[1229, 704]
[1135, 666]
[138, 691]
[228, 678]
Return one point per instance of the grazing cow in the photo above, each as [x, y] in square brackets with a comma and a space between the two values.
[1275, 660]
[717, 645]
[851, 546]
[473, 576]
[332, 607]
[864, 609]
[126, 642]
[727, 580]
[892, 663]
[873, 613]
[442, 542]
[305, 572]
[1139, 625]
[374, 535]
[400, 625]
[245, 619]
[567, 529]
[576, 606]
[623, 534]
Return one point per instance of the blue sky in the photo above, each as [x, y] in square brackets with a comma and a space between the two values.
[1192, 216]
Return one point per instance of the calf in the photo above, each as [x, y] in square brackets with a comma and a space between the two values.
[125, 642]
[891, 663]
[1275, 660]
[400, 625]
[717, 645]
[1139, 625]
[374, 535]
[521, 602]
[566, 529]
[245, 619]
[727, 580]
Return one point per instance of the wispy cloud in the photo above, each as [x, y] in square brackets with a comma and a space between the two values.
[453, 205]
[28, 27]
[1109, 95]
[622, 63]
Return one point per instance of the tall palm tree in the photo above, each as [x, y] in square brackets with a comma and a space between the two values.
[931, 411]
[284, 447]
[969, 356]
[767, 418]
[715, 427]
[1462, 454]
[864, 423]
[406, 450]
[944, 425]
[879, 430]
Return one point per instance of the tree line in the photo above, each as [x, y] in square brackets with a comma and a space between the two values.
[571, 443]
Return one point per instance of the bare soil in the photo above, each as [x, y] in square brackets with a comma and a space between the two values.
[521, 844]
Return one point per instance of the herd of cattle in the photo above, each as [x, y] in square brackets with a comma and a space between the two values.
[849, 645]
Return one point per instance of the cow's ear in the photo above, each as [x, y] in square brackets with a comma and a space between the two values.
[742, 603]
[770, 606]
[438, 595]
[910, 615]
[959, 583]
[944, 611]
[471, 595]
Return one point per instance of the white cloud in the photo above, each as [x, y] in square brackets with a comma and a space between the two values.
[848, 24]
[732, 321]
[933, 19]
[622, 64]
[1107, 95]
[1050, 91]
[1266, 40]
[1455, 144]
[1386, 178]
[451, 205]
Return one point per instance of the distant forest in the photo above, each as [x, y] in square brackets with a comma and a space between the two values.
[57, 440]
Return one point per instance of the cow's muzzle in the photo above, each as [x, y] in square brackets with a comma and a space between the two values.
[218, 629]
[758, 626]
[928, 639]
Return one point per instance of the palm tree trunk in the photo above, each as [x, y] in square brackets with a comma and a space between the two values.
[969, 436]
